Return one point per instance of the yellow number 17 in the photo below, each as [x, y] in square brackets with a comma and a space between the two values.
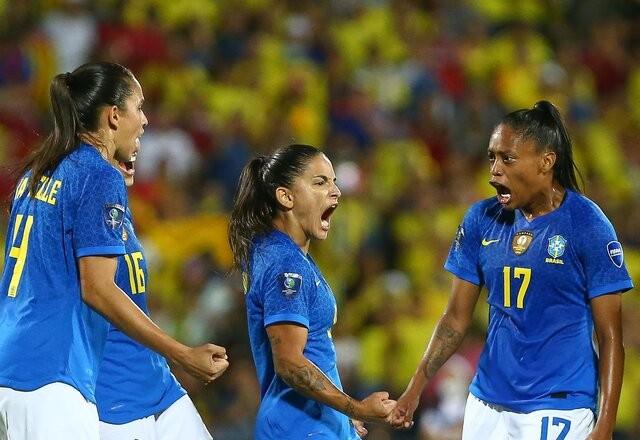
[518, 272]
[19, 253]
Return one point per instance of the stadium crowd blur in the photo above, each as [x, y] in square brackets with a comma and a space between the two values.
[402, 95]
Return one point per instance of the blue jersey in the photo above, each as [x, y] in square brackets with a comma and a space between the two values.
[134, 381]
[47, 332]
[540, 276]
[287, 286]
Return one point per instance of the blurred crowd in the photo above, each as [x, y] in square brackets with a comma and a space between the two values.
[402, 95]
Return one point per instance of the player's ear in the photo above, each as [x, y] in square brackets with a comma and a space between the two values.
[547, 161]
[112, 116]
[284, 196]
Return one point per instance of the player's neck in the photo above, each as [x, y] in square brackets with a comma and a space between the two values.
[545, 202]
[99, 140]
[294, 231]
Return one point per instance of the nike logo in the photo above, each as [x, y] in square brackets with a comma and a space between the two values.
[486, 242]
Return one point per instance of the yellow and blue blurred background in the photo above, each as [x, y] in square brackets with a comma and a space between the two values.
[402, 96]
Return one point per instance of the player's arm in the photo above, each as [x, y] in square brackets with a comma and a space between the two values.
[446, 339]
[99, 291]
[607, 317]
[287, 344]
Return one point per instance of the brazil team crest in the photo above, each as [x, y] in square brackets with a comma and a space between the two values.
[291, 283]
[557, 245]
[521, 242]
[114, 215]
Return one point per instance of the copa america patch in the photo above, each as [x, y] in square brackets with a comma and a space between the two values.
[114, 215]
[614, 249]
[291, 283]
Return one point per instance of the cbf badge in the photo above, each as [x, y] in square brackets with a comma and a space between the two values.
[521, 242]
[557, 245]
[291, 283]
[114, 216]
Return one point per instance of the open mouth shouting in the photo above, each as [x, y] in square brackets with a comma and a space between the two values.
[325, 219]
[504, 193]
[128, 167]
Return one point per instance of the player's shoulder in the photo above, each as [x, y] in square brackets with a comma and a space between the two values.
[86, 162]
[584, 211]
[276, 251]
[486, 210]
[489, 205]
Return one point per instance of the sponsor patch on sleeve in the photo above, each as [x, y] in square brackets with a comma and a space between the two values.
[290, 282]
[614, 249]
[114, 216]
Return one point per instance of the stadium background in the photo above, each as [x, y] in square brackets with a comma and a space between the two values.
[402, 95]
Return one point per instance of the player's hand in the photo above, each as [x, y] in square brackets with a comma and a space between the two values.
[360, 429]
[220, 365]
[375, 408]
[206, 362]
[402, 415]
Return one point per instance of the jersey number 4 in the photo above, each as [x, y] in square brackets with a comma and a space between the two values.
[518, 272]
[19, 253]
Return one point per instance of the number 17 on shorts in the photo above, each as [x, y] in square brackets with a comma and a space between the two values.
[574, 424]
[484, 421]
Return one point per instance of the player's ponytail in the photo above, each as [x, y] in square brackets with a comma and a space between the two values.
[63, 136]
[543, 124]
[252, 213]
[565, 169]
[255, 204]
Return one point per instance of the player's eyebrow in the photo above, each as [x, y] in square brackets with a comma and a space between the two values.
[323, 177]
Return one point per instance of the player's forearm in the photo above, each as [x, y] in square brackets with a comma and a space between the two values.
[446, 339]
[306, 378]
[107, 299]
[611, 368]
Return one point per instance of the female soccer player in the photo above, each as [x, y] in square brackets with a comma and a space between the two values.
[65, 233]
[136, 394]
[283, 202]
[554, 269]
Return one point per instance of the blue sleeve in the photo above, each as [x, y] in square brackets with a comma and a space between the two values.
[286, 288]
[97, 228]
[462, 260]
[602, 256]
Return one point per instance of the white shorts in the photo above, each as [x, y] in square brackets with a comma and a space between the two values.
[180, 421]
[56, 411]
[486, 421]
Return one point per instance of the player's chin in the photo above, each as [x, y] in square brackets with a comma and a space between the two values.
[321, 233]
